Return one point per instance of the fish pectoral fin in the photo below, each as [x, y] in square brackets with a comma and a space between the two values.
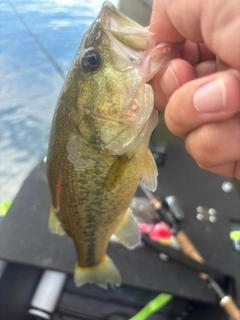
[116, 171]
[128, 233]
[103, 274]
[54, 224]
[150, 172]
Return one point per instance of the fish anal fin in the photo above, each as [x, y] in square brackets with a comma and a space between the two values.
[150, 172]
[116, 171]
[54, 224]
[128, 232]
[103, 274]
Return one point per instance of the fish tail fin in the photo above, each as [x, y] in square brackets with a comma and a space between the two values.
[102, 274]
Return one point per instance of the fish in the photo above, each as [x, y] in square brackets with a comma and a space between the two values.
[98, 147]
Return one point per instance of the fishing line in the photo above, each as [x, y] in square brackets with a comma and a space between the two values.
[37, 41]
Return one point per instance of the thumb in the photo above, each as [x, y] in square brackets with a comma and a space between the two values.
[209, 99]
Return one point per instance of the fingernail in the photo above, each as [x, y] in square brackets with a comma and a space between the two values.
[169, 82]
[210, 97]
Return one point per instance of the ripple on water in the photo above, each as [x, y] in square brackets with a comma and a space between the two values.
[29, 82]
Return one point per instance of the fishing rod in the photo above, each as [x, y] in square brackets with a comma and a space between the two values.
[225, 301]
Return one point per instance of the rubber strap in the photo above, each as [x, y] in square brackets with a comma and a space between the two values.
[4, 206]
[153, 306]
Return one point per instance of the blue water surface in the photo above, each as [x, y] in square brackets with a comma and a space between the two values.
[38, 41]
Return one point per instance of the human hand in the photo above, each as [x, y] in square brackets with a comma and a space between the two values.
[200, 91]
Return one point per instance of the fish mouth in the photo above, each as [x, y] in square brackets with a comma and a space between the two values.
[135, 46]
[124, 29]
[128, 31]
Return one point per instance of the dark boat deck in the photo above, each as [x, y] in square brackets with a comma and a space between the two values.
[25, 239]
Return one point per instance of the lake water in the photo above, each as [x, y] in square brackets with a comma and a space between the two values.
[38, 41]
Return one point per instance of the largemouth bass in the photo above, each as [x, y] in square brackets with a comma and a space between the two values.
[98, 148]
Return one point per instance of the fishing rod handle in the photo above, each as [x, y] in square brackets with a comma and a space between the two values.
[230, 307]
[188, 247]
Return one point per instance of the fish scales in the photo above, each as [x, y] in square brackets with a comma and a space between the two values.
[98, 147]
[84, 212]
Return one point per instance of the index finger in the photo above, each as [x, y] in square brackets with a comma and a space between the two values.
[216, 23]
[171, 20]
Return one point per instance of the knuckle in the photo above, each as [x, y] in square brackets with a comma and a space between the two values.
[202, 145]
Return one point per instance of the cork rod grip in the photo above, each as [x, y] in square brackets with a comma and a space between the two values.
[230, 307]
[187, 247]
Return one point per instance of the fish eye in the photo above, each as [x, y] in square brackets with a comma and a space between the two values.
[91, 60]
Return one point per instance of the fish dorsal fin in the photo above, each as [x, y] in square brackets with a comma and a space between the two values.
[128, 233]
[54, 224]
[150, 172]
[116, 171]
